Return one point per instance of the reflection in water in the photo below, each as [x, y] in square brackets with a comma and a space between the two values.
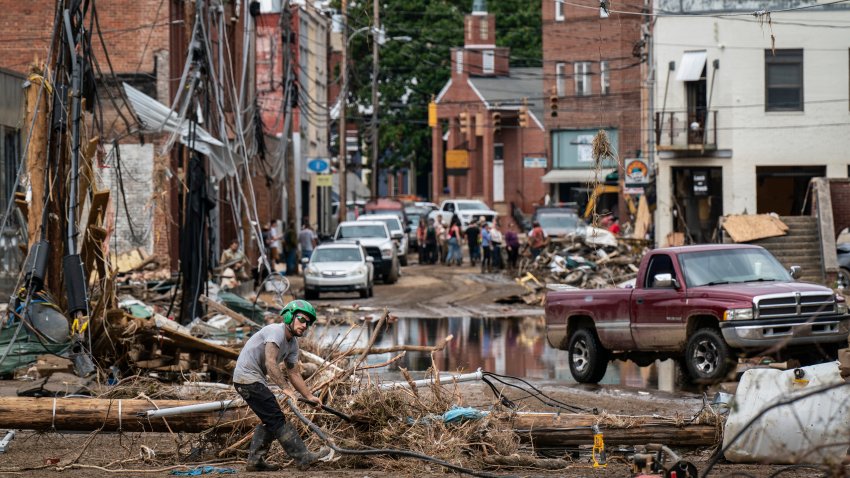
[516, 347]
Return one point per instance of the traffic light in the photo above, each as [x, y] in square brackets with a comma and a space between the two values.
[523, 117]
[464, 123]
[497, 121]
[553, 106]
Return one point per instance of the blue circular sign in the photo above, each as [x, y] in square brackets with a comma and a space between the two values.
[318, 165]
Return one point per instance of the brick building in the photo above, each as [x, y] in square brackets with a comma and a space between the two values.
[592, 82]
[136, 35]
[488, 140]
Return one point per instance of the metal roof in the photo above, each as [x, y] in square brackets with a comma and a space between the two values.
[507, 92]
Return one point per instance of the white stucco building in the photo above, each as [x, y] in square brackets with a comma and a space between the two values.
[747, 111]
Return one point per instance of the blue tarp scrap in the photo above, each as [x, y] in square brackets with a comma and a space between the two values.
[461, 414]
[455, 415]
[204, 470]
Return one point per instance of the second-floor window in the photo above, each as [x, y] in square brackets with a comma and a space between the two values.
[483, 29]
[582, 78]
[560, 79]
[559, 11]
[487, 61]
[783, 79]
[604, 78]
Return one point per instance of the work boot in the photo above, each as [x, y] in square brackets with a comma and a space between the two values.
[260, 443]
[293, 445]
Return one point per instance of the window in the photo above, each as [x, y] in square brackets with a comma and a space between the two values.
[459, 61]
[469, 28]
[660, 264]
[559, 11]
[483, 29]
[560, 81]
[604, 78]
[582, 78]
[487, 61]
[783, 73]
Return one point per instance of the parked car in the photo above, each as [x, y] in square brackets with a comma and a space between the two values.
[397, 230]
[467, 210]
[376, 238]
[704, 305]
[339, 267]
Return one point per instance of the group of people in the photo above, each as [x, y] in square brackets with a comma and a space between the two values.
[281, 248]
[443, 244]
[284, 248]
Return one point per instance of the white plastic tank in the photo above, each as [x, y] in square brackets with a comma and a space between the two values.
[811, 430]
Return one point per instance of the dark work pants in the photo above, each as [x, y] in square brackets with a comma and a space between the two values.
[263, 403]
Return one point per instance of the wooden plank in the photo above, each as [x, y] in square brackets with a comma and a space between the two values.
[92, 250]
[36, 159]
[223, 309]
[746, 228]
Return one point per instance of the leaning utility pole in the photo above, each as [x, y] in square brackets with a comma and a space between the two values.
[289, 101]
[375, 50]
[343, 91]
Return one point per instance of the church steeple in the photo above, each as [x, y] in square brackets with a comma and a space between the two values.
[480, 56]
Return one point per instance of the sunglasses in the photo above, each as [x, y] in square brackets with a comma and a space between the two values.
[304, 319]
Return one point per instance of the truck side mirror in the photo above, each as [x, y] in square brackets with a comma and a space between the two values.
[665, 280]
[795, 271]
[305, 261]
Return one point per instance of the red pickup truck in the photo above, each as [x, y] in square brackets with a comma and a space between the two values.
[704, 305]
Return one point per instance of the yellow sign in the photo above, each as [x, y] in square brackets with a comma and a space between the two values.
[325, 180]
[457, 159]
[432, 114]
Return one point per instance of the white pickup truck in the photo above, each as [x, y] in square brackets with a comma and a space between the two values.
[467, 210]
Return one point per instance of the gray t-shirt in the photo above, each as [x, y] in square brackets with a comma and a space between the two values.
[251, 365]
[305, 237]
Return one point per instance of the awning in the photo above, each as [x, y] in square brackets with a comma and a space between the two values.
[691, 66]
[575, 175]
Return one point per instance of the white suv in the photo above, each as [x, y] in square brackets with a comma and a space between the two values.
[467, 210]
[338, 267]
[397, 231]
[375, 237]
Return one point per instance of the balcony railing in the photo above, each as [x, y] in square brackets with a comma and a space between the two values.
[686, 130]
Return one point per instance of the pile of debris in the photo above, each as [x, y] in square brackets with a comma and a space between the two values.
[572, 263]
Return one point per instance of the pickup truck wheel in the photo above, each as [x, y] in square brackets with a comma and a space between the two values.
[707, 356]
[588, 360]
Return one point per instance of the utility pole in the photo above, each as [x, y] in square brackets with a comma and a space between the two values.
[343, 144]
[289, 101]
[375, 51]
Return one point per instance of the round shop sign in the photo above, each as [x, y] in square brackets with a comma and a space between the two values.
[637, 171]
[318, 165]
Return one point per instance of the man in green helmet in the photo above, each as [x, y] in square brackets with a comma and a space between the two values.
[263, 355]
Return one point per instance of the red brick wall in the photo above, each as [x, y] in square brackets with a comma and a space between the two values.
[839, 190]
[26, 26]
[583, 36]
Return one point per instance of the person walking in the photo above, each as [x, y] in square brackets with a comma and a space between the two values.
[473, 233]
[536, 239]
[421, 231]
[512, 246]
[308, 240]
[496, 240]
[486, 257]
[455, 255]
[442, 239]
[260, 357]
[290, 249]
[273, 243]
[431, 243]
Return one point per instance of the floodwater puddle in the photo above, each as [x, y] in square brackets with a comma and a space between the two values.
[516, 347]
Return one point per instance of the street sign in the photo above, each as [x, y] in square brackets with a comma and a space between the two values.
[324, 180]
[457, 162]
[533, 162]
[318, 165]
[637, 172]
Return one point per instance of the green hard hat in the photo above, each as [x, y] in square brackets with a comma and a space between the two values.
[298, 305]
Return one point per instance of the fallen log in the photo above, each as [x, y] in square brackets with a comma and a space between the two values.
[402, 348]
[574, 429]
[88, 414]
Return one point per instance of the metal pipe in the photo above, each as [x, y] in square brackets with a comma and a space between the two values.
[4, 444]
[196, 408]
[427, 382]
